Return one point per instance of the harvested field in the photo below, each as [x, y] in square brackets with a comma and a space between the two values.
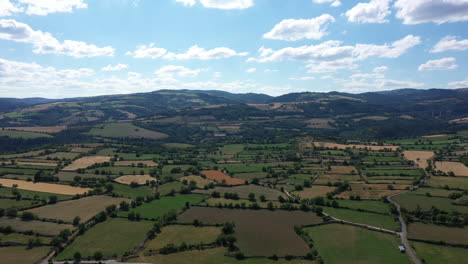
[135, 163]
[22, 155]
[113, 237]
[85, 208]
[44, 187]
[357, 146]
[451, 235]
[244, 191]
[178, 234]
[81, 150]
[259, 232]
[38, 163]
[458, 168]
[419, 157]
[367, 194]
[315, 191]
[220, 177]
[201, 182]
[435, 136]
[85, 162]
[343, 169]
[436, 254]
[359, 186]
[22, 255]
[51, 129]
[140, 179]
[38, 227]
[349, 244]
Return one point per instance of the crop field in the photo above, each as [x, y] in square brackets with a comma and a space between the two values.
[134, 163]
[85, 208]
[85, 162]
[158, 208]
[221, 177]
[355, 245]
[139, 179]
[436, 254]
[8, 192]
[23, 134]
[244, 191]
[459, 169]
[20, 254]
[38, 227]
[211, 256]
[178, 234]
[419, 157]
[377, 220]
[259, 233]
[411, 201]
[314, 191]
[201, 182]
[123, 130]
[44, 187]
[450, 182]
[104, 238]
[451, 235]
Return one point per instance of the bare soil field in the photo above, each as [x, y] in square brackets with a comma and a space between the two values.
[219, 177]
[52, 129]
[459, 169]
[343, 169]
[315, 191]
[39, 227]
[129, 163]
[85, 162]
[201, 182]
[44, 187]
[419, 157]
[140, 179]
[357, 146]
[85, 208]
[259, 232]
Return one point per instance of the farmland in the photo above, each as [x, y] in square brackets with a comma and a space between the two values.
[85, 162]
[178, 234]
[450, 235]
[44, 187]
[122, 130]
[21, 254]
[222, 177]
[37, 227]
[434, 254]
[139, 179]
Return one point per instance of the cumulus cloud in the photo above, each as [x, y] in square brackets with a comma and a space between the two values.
[45, 43]
[374, 11]
[334, 3]
[297, 29]
[177, 71]
[147, 51]
[450, 43]
[436, 11]
[251, 70]
[8, 8]
[442, 64]
[187, 2]
[117, 67]
[380, 69]
[331, 66]
[193, 53]
[42, 8]
[227, 4]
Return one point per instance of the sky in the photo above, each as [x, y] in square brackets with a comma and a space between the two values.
[71, 48]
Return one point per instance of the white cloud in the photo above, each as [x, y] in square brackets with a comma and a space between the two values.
[197, 53]
[367, 76]
[379, 84]
[187, 2]
[450, 43]
[380, 69]
[297, 29]
[227, 4]
[8, 8]
[459, 84]
[442, 64]
[332, 55]
[252, 70]
[331, 66]
[436, 11]
[117, 67]
[305, 78]
[45, 43]
[45, 7]
[147, 51]
[171, 71]
[334, 3]
[375, 11]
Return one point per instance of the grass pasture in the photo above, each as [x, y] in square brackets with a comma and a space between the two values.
[8, 192]
[377, 220]
[355, 245]
[129, 192]
[259, 232]
[411, 201]
[38, 227]
[244, 191]
[125, 130]
[85, 208]
[201, 182]
[450, 182]
[436, 233]
[436, 254]
[12, 203]
[112, 238]
[178, 234]
[23, 134]
[20, 254]
[314, 191]
[139, 179]
[374, 206]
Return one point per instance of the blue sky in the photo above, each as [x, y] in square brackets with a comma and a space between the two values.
[68, 48]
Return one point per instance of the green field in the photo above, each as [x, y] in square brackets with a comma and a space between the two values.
[178, 234]
[158, 208]
[374, 206]
[451, 182]
[411, 201]
[23, 134]
[112, 238]
[7, 192]
[348, 244]
[21, 254]
[244, 190]
[166, 188]
[436, 254]
[124, 130]
[129, 192]
[377, 220]
[436, 233]
[11, 203]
